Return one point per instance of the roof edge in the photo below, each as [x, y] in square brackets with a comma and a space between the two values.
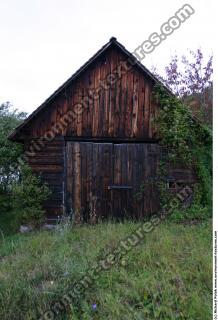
[113, 41]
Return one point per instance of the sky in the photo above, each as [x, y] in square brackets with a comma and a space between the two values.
[43, 42]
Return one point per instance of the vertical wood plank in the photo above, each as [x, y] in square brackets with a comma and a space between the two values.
[69, 176]
[129, 104]
[135, 105]
[77, 179]
[107, 95]
[123, 103]
[112, 97]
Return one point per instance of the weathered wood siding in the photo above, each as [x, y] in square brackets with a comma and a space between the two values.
[102, 160]
[125, 109]
[48, 163]
[111, 180]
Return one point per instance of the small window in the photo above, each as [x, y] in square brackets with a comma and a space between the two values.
[175, 185]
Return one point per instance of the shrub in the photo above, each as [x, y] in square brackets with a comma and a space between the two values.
[28, 195]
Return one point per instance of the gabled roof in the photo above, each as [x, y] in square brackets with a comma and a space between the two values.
[112, 42]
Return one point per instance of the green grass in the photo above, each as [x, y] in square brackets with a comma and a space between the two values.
[167, 276]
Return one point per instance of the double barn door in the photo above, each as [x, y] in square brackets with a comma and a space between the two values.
[111, 180]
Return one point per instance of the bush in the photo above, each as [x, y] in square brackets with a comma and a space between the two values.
[28, 195]
[196, 212]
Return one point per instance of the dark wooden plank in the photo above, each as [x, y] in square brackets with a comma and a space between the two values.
[46, 160]
[117, 106]
[46, 168]
[96, 111]
[112, 97]
[123, 102]
[135, 104]
[107, 167]
[69, 177]
[141, 106]
[76, 180]
[89, 180]
[106, 87]
[129, 107]
[102, 98]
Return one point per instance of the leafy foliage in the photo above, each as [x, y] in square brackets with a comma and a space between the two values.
[28, 196]
[9, 151]
[187, 141]
[190, 78]
[21, 193]
[184, 124]
[174, 122]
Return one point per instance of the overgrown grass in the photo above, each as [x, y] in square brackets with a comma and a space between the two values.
[167, 276]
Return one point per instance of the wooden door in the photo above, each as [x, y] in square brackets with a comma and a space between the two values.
[89, 172]
[135, 171]
[111, 180]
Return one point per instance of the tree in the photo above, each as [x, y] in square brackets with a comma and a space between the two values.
[9, 151]
[21, 193]
[190, 79]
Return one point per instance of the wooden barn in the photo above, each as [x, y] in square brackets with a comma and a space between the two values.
[94, 140]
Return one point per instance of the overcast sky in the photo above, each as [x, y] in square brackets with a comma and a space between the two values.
[43, 42]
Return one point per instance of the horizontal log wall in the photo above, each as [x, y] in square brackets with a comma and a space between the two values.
[48, 163]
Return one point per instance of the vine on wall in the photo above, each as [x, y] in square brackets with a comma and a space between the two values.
[188, 142]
